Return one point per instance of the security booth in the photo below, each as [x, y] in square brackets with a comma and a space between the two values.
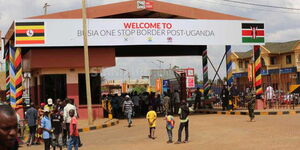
[50, 47]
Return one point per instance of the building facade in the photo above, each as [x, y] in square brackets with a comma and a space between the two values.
[280, 65]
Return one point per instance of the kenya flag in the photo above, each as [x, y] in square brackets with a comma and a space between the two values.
[253, 33]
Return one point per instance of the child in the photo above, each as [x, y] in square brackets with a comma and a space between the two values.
[73, 141]
[56, 121]
[47, 129]
[170, 125]
[151, 117]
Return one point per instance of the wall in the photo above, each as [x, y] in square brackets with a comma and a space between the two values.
[67, 58]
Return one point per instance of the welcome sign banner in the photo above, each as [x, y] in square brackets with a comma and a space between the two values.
[119, 32]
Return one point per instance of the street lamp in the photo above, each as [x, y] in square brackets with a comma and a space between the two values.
[123, 72]
[160, 62]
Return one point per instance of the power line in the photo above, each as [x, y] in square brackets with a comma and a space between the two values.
[241, 7]
[261, 5]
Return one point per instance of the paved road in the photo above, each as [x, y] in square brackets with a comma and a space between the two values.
[211, 132]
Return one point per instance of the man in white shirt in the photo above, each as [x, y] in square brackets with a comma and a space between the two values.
[269, 95]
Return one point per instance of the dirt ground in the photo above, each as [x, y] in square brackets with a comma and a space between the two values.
[211, 132]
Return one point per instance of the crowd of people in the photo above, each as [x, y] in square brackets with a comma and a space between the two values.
[55, 124]
[150, 105]
[114, 103]
[232, 97]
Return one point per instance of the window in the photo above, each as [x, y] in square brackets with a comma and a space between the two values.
[273, 61]
[240, 64]
[246, 64]
[288, 59]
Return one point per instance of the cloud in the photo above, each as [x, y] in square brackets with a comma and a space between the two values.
[288, 34]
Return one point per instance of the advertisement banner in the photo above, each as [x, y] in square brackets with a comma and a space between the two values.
[158, 85]
[119, 32]
[190, 82]
[250, 72]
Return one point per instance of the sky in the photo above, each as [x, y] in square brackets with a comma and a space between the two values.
[281, 25]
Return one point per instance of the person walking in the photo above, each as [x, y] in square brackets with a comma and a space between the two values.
[74, 134]
[234, 91]
[49, 105]
[40, 130]
[251, 104]
[151, 117]
[31, 116]
[67, 119]
[169, 126]
[184, 112]
[128, 109]
[176, 100]
[224, 97]
[115, 105]
[136, 102]
[47, 129]
[269, 95]
[166, 102]
[198, 96]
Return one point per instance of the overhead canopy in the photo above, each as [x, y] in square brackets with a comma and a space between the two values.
[129, 9]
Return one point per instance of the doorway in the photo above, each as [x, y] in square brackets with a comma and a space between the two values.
[53, 86]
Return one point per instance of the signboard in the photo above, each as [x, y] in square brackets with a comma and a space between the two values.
[118, 32]
[145, 4]
[166, 85]
[190, 72]
[190, 82]
[158, 86]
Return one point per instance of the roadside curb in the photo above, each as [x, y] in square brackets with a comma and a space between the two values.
[263, 113]
[104, 125]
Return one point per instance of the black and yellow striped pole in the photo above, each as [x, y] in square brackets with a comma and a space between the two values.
[257, 72]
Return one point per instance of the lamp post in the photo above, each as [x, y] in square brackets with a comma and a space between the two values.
[123, 70]
[160, 62]
[86, 64]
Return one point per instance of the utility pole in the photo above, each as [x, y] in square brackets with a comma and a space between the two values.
[86, 64]
[45, 8]
[128, 77]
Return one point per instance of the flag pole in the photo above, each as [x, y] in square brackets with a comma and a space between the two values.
[86, 64]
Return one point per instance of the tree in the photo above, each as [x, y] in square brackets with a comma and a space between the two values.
[196, 79]
[139, 89]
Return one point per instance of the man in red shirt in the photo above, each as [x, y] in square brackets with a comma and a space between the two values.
[73, 140]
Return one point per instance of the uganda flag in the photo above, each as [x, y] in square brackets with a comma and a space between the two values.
[253, 33]
[30, 33]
